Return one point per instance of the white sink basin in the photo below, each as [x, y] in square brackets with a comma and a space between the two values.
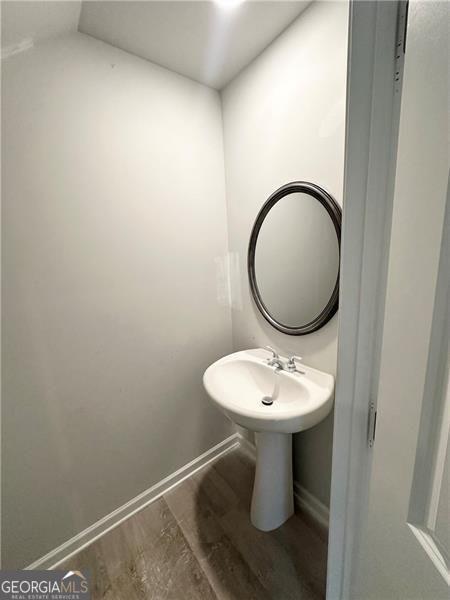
[237, 384]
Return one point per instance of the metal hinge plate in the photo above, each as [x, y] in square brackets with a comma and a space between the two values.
[372, 425]
[400, 46]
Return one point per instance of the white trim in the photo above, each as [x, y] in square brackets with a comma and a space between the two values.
[311, 505]
[303, 499]
[247, 445]
[439, 462]
[373, 109]
[429, 545]
[96, 530]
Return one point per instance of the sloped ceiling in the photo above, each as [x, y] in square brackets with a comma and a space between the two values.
[206, 41]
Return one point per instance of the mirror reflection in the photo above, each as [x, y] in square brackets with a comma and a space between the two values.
[295, 260]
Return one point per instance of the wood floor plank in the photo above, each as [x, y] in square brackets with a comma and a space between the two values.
[307, 550]
[238, 471]
[146, 557]
[197, 543]
[272, 561]
[221, 496]
[91, 560]
[229, 574]
[280, 567]
[166, 565]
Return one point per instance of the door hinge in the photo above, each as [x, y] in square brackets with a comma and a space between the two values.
[402, 26]
[372, 425]
[400, 45]
[405, 24]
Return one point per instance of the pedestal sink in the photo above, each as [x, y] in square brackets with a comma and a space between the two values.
[242, 385]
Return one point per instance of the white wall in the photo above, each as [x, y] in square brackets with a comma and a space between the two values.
[28, 21]
[113, 212]
[284, 121]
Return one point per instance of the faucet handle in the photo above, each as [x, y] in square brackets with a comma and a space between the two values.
[291, 366]
[274, 352]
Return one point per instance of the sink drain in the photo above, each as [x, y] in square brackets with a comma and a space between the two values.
[267, 400]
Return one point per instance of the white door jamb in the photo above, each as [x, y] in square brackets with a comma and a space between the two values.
[375, 68]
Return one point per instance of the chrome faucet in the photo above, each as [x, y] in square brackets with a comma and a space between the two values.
[275, 361]
[289, 366]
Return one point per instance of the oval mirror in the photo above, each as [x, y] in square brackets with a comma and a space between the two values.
[293, 258]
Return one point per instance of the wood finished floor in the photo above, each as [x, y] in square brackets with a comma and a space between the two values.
[197, 542]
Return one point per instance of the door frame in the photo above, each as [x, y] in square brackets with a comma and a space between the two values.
[374, 83]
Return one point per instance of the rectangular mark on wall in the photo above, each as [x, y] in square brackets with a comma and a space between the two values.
[228, 280]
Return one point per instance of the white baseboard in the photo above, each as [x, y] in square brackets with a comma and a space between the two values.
[303, 499]
[311, 505]
[247, 445]
[92, 533]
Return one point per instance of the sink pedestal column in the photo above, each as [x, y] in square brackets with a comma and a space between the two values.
[273, 494]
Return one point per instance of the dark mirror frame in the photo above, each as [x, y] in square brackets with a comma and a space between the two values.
[334, 211]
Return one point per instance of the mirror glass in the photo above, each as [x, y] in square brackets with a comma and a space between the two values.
[296, 260]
